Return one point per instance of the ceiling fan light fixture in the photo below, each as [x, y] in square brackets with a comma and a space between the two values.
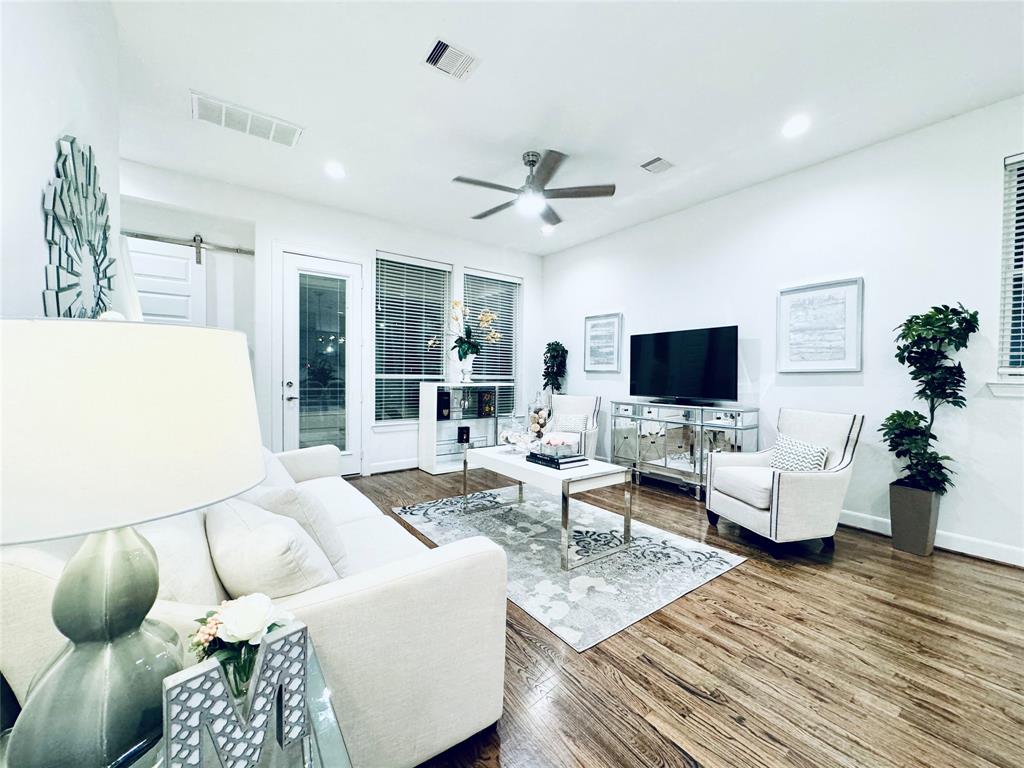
[547, 229]
[530, 202]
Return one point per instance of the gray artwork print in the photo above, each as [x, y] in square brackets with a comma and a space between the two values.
[817, 327]
[588, 604]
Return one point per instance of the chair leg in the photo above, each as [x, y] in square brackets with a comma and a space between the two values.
[712, 517]
[828, 544]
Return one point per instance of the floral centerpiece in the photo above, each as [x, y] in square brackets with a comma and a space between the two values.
[232, 635]
[468, 336]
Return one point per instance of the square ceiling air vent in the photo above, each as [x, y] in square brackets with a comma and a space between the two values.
[454, 62]
[657, 165]
[244, 120]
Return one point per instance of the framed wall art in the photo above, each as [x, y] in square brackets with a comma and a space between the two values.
[820, 327]
[602, 338]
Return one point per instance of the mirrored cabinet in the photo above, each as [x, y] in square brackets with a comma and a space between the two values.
[672, 441]
[444, 407]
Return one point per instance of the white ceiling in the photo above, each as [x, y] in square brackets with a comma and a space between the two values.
[705, 85]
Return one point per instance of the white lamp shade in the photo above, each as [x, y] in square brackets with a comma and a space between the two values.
[107, 424]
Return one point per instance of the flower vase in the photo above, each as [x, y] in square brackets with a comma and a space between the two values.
[466, 369]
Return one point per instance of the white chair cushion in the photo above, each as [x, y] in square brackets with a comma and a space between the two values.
[751, 485]
[344, 503]
[304, 507]
[277, 475]
[256, 551]
[378, 541]
[792, 455]
[572, 438]
[569, 422]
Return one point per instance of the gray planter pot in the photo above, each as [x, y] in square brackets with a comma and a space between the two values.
[913, 514]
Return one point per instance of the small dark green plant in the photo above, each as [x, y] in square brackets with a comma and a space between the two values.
[924, 344]
[555, 355]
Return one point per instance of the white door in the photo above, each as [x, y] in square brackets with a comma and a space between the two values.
[171, 285]
[321, 383]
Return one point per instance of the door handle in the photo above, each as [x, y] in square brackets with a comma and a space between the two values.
[291, 397]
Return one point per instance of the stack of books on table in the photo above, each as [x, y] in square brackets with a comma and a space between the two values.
[556, 462]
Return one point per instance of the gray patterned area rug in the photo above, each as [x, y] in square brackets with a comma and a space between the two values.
[592, 602]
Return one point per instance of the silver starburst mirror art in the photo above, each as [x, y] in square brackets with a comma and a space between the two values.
[80, 272]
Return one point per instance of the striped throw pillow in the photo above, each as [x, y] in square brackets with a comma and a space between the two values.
[792, 455]
[567, 422]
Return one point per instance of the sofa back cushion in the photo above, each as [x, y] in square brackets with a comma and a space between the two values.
[304, 507]
[257, 551]
[277, 475]
[187, 574]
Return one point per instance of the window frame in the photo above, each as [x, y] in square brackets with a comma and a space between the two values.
[517, 331]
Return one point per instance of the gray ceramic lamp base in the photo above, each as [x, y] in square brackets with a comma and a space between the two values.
[99, 702]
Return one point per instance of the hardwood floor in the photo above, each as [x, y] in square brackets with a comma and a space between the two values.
[799, 657]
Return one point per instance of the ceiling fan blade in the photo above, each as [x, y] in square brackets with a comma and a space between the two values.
[487, 184]
[597, 190]
[549, 163]
[550, 217]
[495, 209]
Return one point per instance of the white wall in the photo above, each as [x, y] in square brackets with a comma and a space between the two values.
[285, 224]
[59, 76]
[919, 217]
[230, 277]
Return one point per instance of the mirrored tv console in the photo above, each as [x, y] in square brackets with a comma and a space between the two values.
[672, 442]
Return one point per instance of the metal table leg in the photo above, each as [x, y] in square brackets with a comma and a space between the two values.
[627, 520]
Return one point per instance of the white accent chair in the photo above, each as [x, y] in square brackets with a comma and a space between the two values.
[577, 405]
[787, 506]
[411, 639]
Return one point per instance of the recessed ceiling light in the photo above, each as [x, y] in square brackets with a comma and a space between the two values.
[547, 229]
[797, 125]
[334, 169]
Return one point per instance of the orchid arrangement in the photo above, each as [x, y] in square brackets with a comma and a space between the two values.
[233, 633]
[466, 340]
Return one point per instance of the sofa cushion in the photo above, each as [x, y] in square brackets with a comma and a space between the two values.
[792, 455]
[277, 475]
[751, 485]
[377, 541]
[304, 507]
[344, 503]
[186, 567]
[257, 551]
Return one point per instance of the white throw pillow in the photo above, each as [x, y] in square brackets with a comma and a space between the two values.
[307, 510]
[277, 475]
[568, 422]
[256, 551]
[792, 455]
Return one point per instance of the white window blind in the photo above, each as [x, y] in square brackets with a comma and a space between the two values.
[1011, 315]
[499, 360]
[412, 305]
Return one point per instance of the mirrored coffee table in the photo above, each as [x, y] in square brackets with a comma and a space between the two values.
[595, 474]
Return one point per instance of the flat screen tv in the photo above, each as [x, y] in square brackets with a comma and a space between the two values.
[697, 365]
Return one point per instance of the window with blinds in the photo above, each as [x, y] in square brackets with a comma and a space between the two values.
[412, 305]
[498, 360]
[1011, 315]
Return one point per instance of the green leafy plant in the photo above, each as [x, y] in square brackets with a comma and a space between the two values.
[555, 355]
[924, 344]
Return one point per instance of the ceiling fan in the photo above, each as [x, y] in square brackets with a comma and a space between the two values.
[532, 198]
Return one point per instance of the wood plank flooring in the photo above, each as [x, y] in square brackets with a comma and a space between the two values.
[798, 657]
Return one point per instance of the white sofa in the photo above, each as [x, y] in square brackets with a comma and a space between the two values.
[584, 406]
[787, 506]
[412, 639]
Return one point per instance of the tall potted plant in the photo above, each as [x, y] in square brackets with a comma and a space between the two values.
[555, 355]
[924, 343]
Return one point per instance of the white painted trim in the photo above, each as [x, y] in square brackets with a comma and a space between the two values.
[954, 542]
[1006, 388]
[404, 425]
[418, 261]
[391, 466]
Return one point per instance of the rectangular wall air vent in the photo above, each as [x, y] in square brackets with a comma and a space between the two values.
[244, 120]
[657, 165]
[452, 61]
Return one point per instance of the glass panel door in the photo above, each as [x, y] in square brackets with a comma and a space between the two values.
[320, 387]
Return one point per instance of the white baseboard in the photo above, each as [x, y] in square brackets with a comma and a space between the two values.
[391, 466]
[955, 542]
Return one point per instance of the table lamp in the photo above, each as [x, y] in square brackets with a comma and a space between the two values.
[105, 425]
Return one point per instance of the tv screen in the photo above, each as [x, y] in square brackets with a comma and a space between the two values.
[685, 365]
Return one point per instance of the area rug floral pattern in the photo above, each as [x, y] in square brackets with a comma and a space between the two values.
[592, 602]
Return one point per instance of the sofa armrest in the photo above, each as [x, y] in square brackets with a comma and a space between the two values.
[311, 463]
[808, 504]
[413, 651]
[588, 442]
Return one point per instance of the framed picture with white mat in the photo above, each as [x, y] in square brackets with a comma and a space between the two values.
[820, 327]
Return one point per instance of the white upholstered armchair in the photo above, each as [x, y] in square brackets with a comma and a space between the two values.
[786, 505]
[574, 419]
